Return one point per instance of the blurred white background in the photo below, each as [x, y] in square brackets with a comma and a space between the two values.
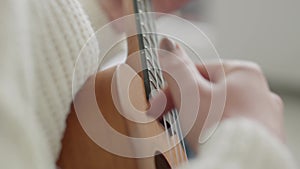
[264, 31]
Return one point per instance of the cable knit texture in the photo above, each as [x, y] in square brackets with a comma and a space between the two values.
[65, 30]
[242, 144]
[40, 41]
[39, 49]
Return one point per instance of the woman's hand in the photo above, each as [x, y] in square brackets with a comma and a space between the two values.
[247, 91]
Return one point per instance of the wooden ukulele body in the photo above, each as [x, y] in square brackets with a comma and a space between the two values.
[80, 152]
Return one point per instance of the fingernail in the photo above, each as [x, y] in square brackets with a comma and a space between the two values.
[167, 44]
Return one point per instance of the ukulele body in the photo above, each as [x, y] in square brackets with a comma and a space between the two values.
[80, 152]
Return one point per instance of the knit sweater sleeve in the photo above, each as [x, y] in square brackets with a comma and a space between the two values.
[242, 144]
[22, 142]
[40, 42]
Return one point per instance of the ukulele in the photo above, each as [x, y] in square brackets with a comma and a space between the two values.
[144, 77]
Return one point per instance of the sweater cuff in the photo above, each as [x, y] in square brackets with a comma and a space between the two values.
[242, 143]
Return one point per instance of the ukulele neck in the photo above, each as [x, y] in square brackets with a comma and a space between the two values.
[144, 42]
[148, 45]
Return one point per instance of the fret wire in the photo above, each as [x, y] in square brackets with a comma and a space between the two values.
[149, 60]
[154, 85]
[141, 5]
[173, 132]
[153, 75]
[152, 40]
[168, 140]
[156, 77]
[180, 133]
[177, 129]
[145, 37]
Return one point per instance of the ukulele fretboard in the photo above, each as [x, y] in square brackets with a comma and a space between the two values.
[148, 40]
[152, 73]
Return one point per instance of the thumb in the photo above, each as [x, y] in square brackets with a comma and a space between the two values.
[162, 98]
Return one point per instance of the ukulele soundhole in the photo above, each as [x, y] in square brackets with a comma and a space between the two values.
[161, 162]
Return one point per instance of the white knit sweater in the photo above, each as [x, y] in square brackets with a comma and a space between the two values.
[40, 41]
